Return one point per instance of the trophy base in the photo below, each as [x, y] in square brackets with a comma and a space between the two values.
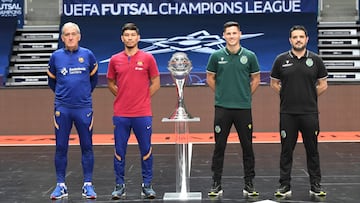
[182, 196]
[180, 113]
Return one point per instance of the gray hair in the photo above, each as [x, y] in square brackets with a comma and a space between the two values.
[70, 24]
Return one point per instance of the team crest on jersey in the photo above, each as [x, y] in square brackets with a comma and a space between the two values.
[139, 66]
[81, 59]
[63, 71]
[309, 62]
[244, 59]
[217, 129]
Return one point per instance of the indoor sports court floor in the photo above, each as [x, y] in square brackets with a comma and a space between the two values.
[27, 171]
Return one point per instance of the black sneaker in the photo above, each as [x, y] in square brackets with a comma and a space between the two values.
[215, 190]
[317, 190]
[119, 192]
[147, 191]
[249, 189]
[283, 191]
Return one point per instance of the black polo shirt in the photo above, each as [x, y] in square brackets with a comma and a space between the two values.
[298, 94]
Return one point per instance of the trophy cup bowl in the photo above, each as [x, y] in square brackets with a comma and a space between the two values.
[180, 67]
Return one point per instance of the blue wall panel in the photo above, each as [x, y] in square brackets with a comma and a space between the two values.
[7, 32]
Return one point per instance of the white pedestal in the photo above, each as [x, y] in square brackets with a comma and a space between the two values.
[183, 161]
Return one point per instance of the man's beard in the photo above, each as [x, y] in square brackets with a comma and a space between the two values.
[130, 47]
[302, 48]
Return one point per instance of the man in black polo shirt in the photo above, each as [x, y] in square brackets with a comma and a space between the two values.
[299, 76]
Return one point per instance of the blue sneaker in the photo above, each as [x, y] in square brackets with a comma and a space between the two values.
[88, 192]
[59, 192]
[147, 191]
[119, 192]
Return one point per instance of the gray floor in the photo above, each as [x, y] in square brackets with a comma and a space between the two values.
[27, 174]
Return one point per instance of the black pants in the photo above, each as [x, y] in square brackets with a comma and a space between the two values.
[290, 126]
[242, 120]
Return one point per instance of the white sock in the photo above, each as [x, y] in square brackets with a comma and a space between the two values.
[87, 183]
[62, 185]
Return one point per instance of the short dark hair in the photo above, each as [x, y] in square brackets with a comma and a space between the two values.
[230, 24]
[129, 26]
[298, 27]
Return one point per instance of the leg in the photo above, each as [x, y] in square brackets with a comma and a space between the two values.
[244, 128]
[310, 131]
[122, 128]
[63, 125]
[222, 125]
[142, 129]
[84, 125]
[289, 135]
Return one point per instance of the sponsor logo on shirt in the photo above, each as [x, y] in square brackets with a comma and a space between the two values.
[76, 70]
[287, 64]
[222, 61]
[63, 71]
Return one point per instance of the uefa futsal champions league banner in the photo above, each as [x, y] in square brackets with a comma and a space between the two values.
[193, 27]
[13, 8]
[11, 17]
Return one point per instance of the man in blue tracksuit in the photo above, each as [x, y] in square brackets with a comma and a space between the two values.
[72, 75]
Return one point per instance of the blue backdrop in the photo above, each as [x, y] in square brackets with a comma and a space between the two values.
[7, 33]
[266, 32]
[13, 8]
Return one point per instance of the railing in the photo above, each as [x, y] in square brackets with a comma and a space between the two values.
[321, 6]
[357, 9]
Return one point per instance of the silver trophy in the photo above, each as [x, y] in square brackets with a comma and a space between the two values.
[180, 67]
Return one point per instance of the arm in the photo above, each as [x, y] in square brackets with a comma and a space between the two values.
[275, 84]
[94, 77]
[112, 86]
[51, 80]
[155, 85]
[210, 80]
[255, 82]
[321, 86]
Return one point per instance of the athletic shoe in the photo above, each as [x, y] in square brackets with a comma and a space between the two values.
[283, 191]
[215, 190]
[249, 189]
[119, 192]
[147, 191]
[59, 192]
[88, 192]
[317, 190]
